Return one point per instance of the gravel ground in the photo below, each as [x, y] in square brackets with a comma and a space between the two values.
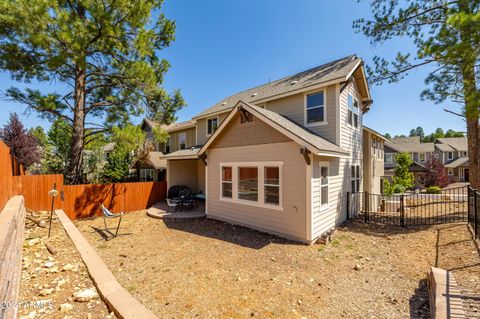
[208, 269]
[51, 281]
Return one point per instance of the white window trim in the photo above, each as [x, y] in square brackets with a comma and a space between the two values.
[424, 157]
[450, 171]
[261, 184]
[327, 165]
[179, 140]
[222, 181]
[305, 113]
[392, 157]
[448, 155]
[355, 98]
[206, 125]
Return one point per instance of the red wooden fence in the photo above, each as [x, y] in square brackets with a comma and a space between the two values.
[80, 201]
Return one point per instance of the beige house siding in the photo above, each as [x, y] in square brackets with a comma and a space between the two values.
[291, 221]
[294, 108]
[183, 172]
[324, 218]
[174, 142]
[202, 127]
[201, 177]
[241, 134]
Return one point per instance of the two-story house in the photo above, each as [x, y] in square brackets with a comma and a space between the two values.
[453, 153]
[421, 153]
[282, 157]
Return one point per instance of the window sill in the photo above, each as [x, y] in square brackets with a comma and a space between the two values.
[250, 203]
[313, 124]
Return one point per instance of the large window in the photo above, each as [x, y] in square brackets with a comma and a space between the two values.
[146, 175]
[315, 108]
[167, 145]
[212, 125]
[323, 185]
[421, 157]
[352, 111]
[248, 183]
[256, 183]
[355, 175]
[389, 158]
[227, 182]
[272, 185]
[182, 140]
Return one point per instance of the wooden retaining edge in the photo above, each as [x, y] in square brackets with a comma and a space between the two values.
[123, 304]
[444, 294]
[12, 232]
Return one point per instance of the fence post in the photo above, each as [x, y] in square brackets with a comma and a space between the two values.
[366, 206]
[475, 217]
[348, 205]
[402, 211]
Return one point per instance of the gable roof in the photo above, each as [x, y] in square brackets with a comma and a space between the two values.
[337, 71]
[457, 143]
[461, 161]
[156, 160]
[373, 132]
[410, 144]
[284, 125]
[169, 128]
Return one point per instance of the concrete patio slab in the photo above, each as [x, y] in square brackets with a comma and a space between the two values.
[160, 211]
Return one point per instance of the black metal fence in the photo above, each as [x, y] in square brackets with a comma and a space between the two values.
[450, 205]
[474, 210]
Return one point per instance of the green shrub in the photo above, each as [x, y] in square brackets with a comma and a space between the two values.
[433, 190]
[397, 188]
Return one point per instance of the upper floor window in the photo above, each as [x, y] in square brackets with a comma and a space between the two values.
[315, 108]
[465, 154]
[212, 125]
[436, 156]
[421, 157]
[167, 145]
[182, 140]
[352, 111]
[450, 155]
[389, 158]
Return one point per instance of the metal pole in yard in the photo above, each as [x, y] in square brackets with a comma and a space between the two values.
[52, 193]
[402, 211]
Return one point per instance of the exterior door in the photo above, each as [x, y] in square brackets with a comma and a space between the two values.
[466, 173]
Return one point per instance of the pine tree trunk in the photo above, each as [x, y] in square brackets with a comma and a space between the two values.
[471, 102]
[76, 160]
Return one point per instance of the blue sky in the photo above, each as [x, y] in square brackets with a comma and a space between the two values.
[227, 46]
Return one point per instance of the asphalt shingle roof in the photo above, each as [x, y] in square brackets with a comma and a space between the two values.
[320, 74]
[186, 152]
[411, 146]
[458, 143]
[461, 161]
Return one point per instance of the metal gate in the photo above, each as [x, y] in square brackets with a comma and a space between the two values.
[450, 205]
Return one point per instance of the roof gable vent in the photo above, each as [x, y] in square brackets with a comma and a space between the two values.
[224, 103]
[293, 82]
[254, 94]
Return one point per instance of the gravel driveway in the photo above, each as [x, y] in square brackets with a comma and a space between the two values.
[208, 269]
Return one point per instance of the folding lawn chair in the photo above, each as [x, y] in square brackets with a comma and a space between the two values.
[109, 214]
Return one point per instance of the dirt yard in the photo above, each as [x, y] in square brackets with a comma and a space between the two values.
[51, 284]
[208, 269]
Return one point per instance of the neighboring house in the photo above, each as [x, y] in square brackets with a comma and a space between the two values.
[95, 161]
[181, 136]
[453, 153]
[373, 157]
[421, 153]
[282, 157]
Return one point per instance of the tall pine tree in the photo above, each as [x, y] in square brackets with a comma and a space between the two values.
[106, 53]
